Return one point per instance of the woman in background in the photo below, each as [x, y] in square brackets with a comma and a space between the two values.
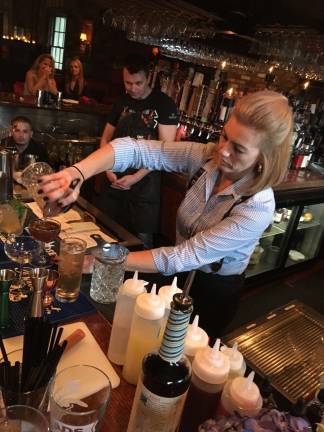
[75, 85]
[41, 76]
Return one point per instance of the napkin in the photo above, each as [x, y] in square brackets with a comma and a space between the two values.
[86, 236]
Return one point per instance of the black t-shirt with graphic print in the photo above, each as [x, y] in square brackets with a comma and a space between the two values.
[139, 118]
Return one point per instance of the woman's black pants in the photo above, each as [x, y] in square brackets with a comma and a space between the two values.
[216, 299]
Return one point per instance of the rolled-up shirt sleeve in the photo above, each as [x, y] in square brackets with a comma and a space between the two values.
[234, 237]
[159, 155]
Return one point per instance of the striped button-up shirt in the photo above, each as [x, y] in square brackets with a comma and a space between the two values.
[204, 236]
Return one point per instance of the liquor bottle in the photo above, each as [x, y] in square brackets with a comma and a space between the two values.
[226, 106]
[165, 378]
[211, 95]
[127, 295]
[315, 408]
[186, 91]
[197, 93]
[145, 333]
[267, 395]
[6, 177]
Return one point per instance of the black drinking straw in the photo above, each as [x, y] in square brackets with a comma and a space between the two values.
[3, 350]
[53, 337]
[188, 283]
[58, 336]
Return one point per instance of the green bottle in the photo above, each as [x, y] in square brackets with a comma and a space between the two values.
[6, 278]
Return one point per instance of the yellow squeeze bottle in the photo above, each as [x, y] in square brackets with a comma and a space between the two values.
[145, 334]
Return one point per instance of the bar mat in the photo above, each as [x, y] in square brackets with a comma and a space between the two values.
[287, 346]
[69, 312]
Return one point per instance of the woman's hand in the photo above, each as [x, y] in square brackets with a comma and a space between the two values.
[111, 176]
[126, 182]
[63, 187]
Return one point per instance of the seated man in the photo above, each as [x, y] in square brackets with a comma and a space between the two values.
[21, 133]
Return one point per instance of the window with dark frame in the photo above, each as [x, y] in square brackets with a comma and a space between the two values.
[57, 40]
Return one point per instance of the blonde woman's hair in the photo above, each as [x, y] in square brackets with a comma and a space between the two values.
[268, 113]
[39, 60]
[80, 79]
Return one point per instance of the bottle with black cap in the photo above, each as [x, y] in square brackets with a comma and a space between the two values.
[266, 393]
[315, 408]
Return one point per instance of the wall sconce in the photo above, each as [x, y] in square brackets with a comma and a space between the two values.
[306, 85]
[83, 37]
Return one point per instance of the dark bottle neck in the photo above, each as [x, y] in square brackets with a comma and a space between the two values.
[172, 345]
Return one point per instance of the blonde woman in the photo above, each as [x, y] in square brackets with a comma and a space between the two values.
[228, 204]
[41, 76]
[75, 85]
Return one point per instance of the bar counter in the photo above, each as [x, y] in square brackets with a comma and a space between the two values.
[119, 407]
[90, 118]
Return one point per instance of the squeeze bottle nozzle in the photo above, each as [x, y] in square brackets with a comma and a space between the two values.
[194, 333]
[211, 365]
[133, 287]
[237, 362]
[196, 338]
[150, 305]
[167, 292]
[249, 381]
[245, 392]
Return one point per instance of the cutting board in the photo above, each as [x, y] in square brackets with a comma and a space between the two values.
[87, 351]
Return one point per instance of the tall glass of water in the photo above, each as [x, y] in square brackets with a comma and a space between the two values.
[72, 250]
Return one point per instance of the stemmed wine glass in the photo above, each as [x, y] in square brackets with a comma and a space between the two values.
[45, 231]
[22, 250]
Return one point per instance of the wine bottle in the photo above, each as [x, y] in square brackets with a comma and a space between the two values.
[165, 378]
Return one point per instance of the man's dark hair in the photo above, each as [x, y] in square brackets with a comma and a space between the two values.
[21, 119]
[135, 63]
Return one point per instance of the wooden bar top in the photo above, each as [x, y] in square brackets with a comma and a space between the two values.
[120, 404]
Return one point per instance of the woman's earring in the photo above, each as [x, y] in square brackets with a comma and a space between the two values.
[259, 168]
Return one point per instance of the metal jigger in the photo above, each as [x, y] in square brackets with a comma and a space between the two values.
[6, 278]
[38, 276]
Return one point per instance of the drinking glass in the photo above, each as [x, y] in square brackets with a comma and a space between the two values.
[45, 231]
[30, 177]
[12, 217]
[23, 418]
[108, 272]
[72, 251]
[22, 250]
[78, 398]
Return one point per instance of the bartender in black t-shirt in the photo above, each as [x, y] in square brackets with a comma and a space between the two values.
[133, 198]
[20, 140]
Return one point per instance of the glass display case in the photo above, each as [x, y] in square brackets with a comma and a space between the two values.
[295, 236]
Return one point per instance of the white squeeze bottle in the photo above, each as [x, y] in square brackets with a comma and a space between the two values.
[127, 294]
[236, 359]
[145, 334]
[167, 292]
[210, 370]
[196, 339]
[241, 395]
